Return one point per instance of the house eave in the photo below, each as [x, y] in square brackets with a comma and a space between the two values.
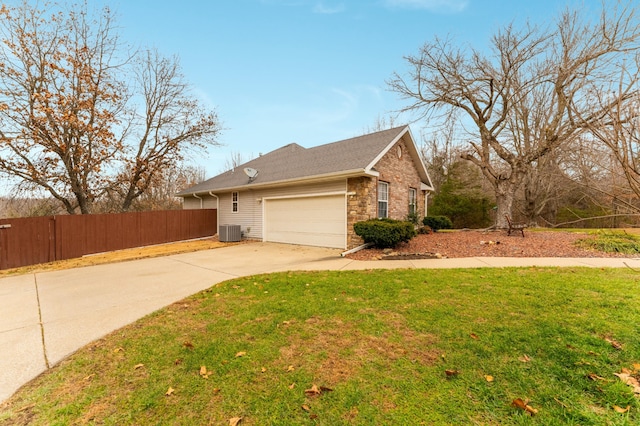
[425, 187]
[345, 174]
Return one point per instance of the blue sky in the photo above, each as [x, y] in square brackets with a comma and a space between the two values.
[306, 71]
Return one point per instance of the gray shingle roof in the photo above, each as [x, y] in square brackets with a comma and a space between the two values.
[294, 162]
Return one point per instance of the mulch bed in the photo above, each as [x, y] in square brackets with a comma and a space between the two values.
[473, 243]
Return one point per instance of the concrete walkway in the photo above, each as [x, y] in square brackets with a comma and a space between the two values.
[47, 316]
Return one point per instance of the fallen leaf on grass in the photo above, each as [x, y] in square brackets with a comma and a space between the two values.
[620, 409]
[524, 358]
[290, 368]
[235, 421]
[595, 377]
[489, 378]
[315, 390]
[204, 373]
[116, 350]
[138, 366]
[451, 373]
[613, 343]
[306, 408]
[474, 336]
[524, 405]
[170, 391]
[264, 370]
[292, 385]
[629, 380]
[240, 354]
[187, 344]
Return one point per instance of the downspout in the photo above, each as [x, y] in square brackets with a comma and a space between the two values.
[199, 198]
[217, 211]
[426, 198]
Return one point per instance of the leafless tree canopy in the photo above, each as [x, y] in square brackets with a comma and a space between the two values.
[81, 117]
[533, 92]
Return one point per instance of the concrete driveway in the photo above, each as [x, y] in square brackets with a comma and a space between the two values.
[47, 316]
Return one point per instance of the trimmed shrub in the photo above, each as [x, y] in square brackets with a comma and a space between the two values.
[385, 233]
[437, 222]
[424, 230]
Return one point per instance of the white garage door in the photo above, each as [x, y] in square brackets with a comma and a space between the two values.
[312, 221]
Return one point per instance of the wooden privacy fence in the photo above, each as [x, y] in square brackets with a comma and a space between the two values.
[27, 241]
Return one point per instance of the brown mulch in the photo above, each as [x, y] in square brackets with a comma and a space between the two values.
[487, 244]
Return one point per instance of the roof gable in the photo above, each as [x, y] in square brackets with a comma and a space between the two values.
[294, 163]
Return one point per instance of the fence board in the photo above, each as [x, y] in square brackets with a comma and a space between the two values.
[27, 241]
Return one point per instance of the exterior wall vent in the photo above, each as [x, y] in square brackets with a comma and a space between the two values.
[229, 233]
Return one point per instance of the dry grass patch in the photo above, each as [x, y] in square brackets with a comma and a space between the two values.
[121, 256]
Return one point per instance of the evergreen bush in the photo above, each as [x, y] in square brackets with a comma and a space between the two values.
[437, 222]
[384, 233]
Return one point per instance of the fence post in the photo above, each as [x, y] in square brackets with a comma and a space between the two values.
[52, 238]
[3, 246]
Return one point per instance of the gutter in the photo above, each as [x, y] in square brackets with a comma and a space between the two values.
[426, 203]
[316, 178]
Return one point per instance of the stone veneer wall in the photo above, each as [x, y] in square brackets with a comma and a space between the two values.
[362, 205]
[401, 174]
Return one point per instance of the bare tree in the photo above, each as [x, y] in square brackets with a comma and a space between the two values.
[381, 123]
[533, 94]
[440, 151]
[235, 159]
[160, 195]
[542, 190]
[169, 123]
[68, 120]
[621, 136]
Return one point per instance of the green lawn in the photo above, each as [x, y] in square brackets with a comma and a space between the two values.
[377, 345]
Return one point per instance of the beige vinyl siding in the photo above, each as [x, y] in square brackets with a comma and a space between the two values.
[209, 202]
[250, 208]
[193, 203]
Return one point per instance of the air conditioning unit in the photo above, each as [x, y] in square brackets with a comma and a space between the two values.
[229, 233]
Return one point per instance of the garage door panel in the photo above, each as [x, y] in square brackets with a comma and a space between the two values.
[316, 221]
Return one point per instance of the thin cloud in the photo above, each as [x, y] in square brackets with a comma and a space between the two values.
[318, 7]
[446, 6]
[323, 9]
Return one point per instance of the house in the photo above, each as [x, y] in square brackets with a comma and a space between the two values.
[313, 196]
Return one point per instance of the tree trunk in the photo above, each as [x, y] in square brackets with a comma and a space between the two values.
[505, 194]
